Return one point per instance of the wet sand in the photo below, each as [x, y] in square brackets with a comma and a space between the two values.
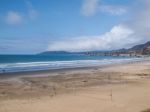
[119, 88]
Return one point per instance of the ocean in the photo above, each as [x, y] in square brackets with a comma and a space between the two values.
[20, 63]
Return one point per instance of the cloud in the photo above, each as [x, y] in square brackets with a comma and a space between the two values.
[21, 45]
[91, 7]
[127, 34]
[32, 13]
[114, 10]
[118, 36]
[140, 23]
[13, 18]
[16, 18]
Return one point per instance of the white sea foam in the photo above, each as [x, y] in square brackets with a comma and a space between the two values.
[33, 66]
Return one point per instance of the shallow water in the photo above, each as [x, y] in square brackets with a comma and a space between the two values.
[18, 63]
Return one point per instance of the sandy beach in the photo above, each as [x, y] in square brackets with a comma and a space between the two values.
[116, 88]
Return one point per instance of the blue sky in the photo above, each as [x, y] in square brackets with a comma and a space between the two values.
[32, 26]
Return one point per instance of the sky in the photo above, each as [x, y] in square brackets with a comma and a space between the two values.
[33, 26]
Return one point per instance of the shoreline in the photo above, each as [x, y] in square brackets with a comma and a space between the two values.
[50, 67]
[7, 74]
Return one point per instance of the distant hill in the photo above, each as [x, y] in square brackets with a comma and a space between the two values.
[142, 49]
[54, 53]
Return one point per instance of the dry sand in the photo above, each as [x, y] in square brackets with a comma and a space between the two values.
[119, 88]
